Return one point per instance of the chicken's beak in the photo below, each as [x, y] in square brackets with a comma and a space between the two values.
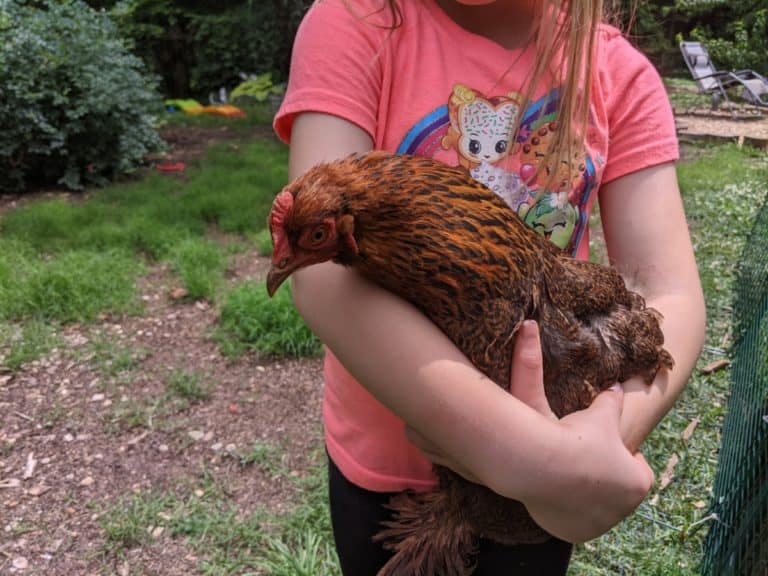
[276, 276]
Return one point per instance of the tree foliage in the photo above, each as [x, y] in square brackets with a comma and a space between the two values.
[74, 103]
[734, 31]
[199, 46]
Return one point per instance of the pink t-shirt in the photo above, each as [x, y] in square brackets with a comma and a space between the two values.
[431, 88]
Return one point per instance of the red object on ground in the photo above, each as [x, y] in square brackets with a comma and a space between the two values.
[177, 167]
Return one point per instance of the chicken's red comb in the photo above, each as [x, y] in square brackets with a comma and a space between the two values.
[281, 207]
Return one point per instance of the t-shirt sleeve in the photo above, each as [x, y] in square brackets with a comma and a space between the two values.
[335, 66]
[640, 120]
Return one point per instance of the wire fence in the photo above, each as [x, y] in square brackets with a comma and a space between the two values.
[737, 544]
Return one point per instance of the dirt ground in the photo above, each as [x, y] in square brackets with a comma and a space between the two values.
[71, 445]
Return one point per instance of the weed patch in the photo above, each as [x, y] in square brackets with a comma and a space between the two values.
[250, 320]
[189, 386]
[200, 265]
[25, 343]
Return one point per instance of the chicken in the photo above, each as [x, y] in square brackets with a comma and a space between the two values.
[439, 239]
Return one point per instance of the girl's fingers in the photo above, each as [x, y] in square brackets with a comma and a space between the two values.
[527, 374]
[609, 405]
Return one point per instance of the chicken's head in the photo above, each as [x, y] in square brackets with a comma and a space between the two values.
[305, 232]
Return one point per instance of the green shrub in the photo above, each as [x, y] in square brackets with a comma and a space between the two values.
[74, 103]
[250, 320]
[257, 87]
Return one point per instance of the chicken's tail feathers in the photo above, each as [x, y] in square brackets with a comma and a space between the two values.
[425, 539]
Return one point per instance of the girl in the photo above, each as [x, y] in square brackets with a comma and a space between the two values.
[551, 109]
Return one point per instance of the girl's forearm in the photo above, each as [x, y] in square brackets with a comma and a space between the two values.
[410, 366]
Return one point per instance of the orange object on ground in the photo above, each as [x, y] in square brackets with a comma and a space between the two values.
[225, 110]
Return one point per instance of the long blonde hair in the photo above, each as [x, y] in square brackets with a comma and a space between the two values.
[565, 39]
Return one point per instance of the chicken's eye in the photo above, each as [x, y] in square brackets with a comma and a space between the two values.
[319, 235]
[474, 146]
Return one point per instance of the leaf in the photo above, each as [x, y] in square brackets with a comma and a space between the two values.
[715, 366]
[669, 472]
[688, 432]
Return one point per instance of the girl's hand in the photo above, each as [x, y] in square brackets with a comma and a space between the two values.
[614, 480]
[608, 482]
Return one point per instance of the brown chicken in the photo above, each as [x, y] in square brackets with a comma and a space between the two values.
[436, 237]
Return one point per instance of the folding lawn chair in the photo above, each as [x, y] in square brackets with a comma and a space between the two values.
[754, 87]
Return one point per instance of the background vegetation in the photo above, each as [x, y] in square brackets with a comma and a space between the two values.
[82, 79]
[75, 105]
[80, 103]
[735, 31]
[197, 47]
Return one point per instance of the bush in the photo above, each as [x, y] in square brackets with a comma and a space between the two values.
[75, 105]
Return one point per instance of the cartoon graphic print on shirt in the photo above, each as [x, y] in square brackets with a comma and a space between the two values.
[481, 133]
[478, 129]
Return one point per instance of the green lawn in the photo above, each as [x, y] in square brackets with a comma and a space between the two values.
[64, 262]
[722, 188]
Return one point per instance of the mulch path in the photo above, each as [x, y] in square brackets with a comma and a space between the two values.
[746, 125]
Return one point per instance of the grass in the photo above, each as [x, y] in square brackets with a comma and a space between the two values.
[227, 540]
[722, 188]
[263, 242]
[25, 343]
[200, 265]
[684, 94]
[67, 261]
[113, 359]
[265, 455]
[251, 321]
[70, 261]
[188, 385]
[182, 388]
[129, 414]
[72, 286]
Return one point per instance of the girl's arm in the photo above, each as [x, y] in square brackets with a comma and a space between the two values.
[575, 475]
[647, 238]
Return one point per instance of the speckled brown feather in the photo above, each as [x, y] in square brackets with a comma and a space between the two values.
[436, 237]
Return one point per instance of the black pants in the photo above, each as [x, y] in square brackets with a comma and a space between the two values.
[357, 514]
